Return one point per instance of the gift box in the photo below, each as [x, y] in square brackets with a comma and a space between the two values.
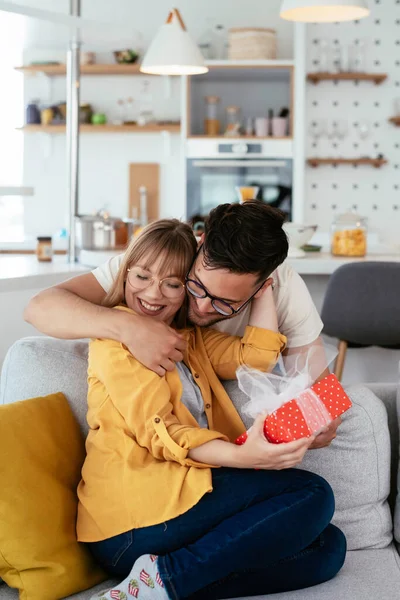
[306, 413]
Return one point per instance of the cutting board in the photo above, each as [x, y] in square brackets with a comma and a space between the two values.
[147, 174]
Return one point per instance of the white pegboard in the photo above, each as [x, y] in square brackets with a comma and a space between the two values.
[374, 193]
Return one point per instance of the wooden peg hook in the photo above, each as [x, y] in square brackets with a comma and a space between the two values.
[175, 13]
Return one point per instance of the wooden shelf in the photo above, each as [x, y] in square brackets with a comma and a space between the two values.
[395, 121]
[228, 138]
[250, 64]
[96, 69]
[84, 128]
[374, 162]
[377, 78]
[134, 69]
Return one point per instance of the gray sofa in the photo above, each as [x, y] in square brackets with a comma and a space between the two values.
[361, 465]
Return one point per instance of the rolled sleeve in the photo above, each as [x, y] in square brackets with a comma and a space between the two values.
[178, 452]
[259, 348]
[264, 339]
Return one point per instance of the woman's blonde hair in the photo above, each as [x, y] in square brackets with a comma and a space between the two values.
[170, 238]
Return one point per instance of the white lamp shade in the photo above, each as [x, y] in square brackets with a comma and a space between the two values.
[173, 52]
[323, 11]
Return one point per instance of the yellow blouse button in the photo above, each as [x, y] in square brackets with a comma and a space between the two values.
[196, 375]
[157, 420]
[208, 405]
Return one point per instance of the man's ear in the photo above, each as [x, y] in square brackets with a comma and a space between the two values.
[269, 282]
[201, 241]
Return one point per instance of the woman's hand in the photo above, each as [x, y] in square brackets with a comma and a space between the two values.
[263, 310]
[255, 453]
[258, 453]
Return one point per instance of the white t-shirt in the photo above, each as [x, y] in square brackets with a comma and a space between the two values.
[298, 318]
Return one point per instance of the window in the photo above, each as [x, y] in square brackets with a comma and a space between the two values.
[11, 140]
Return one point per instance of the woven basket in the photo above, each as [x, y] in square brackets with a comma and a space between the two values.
[252, 43]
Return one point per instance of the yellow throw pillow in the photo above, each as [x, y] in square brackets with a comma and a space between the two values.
[41, 455]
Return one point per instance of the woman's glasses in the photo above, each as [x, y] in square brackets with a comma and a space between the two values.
[171, 287]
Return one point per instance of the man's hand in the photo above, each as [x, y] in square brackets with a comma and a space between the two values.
[156, 345]
[326, 437]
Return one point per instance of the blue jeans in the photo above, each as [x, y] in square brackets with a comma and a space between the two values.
[257, 532]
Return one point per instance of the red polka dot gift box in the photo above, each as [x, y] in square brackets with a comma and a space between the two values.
[306, 414]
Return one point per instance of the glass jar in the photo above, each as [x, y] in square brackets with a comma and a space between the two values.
[219, 42]
[146, 113]
[44, 249]
[349, 235]
[211, 122]
[232, 120]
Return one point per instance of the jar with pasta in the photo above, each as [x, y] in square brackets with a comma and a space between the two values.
[349, 235]
[211, 121]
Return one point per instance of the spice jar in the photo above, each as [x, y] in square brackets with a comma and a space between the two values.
[349, 235]
[211, 122]
[44, 249]
[232, 120]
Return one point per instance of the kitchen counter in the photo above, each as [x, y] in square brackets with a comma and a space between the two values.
[19, 272]
[323, 263]
[24, 271]
[22, 276]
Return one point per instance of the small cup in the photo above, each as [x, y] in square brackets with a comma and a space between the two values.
[261, 126]
[87, 58]
[279, 126]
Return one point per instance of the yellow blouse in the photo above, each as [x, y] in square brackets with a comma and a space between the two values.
[137, 471]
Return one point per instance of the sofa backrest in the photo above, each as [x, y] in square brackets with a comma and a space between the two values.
[38, 366]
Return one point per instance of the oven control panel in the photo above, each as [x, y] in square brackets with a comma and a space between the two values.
[239, 148]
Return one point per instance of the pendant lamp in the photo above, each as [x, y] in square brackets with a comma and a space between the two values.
[323, 11]
[172, 51]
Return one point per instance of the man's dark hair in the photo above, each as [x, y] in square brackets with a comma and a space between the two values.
[245, 238]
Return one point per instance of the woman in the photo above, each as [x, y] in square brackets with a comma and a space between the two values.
[153, 507]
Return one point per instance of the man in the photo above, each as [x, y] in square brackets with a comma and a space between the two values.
[243, 245]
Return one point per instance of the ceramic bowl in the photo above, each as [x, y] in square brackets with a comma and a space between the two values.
[299, 235]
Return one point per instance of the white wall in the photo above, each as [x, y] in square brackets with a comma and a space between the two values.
[374, 193]
[105, 158]
[13, 327]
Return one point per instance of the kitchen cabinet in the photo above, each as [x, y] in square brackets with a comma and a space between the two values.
[255, 87]
[217, 164]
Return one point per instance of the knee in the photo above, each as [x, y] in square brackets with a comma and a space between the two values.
[335, 547]
[324, 494]
[327, 497]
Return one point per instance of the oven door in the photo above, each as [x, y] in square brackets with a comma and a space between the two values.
[212, 181]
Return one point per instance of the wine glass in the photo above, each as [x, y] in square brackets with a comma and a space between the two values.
[316, 129]
[363, 129]
[342, 129]
[324, 56]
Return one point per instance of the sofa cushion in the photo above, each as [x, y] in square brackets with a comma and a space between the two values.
[365, 574]
[397, 506]
[357, 466]
[41, 455]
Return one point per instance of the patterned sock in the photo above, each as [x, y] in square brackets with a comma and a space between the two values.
[143, 582]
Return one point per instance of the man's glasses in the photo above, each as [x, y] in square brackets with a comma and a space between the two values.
[223, 308]
[171, 287]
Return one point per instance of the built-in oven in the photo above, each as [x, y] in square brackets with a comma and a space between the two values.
[215, 169]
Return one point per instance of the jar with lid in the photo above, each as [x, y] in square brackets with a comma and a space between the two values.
[44, 249]
[349, 235]
[32, 113]
[211, 121]
[232, 120]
